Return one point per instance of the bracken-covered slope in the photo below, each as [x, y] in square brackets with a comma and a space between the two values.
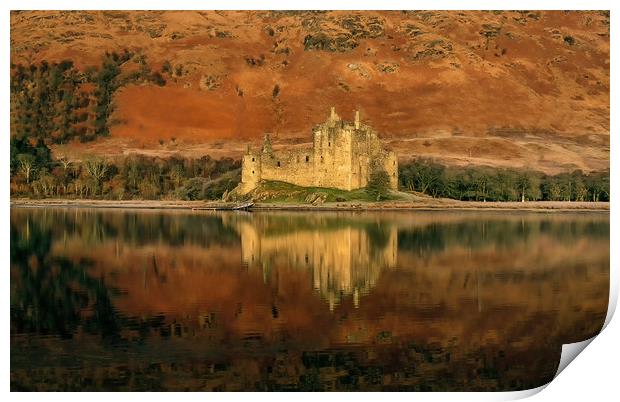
[519, 88]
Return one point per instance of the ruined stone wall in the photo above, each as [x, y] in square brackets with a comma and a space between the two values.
[296, 167]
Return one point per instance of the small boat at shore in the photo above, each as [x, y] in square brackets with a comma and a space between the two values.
[226, 207]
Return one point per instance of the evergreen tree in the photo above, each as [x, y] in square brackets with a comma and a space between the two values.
[378, 184]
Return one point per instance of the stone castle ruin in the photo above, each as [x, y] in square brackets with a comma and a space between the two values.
[343, 156]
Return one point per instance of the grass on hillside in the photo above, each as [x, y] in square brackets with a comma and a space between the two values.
[281, 192]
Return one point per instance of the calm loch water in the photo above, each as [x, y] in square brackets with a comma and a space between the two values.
[153, 300]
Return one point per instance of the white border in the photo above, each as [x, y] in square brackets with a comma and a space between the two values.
[308, 5]
[592, 376]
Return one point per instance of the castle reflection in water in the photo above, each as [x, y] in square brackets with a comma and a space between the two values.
[176, 300]
[344, 260]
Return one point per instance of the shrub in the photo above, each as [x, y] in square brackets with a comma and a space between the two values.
[378, 184]
[569, 40]
[192, 189]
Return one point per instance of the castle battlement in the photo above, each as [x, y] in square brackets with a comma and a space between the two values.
[343, 155]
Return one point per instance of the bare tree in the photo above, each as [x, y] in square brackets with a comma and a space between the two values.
[26, 165]
[45, 184]
[65, 162]
[96, 168]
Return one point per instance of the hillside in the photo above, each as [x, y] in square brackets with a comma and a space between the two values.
[505, 89]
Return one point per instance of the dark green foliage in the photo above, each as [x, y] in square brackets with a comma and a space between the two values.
[166, 67]
[216, 188]
[40, 153]
[378, 184]
[157, 79]
[45, 101]
[481, 183]
[107, 83]
[423, 176]
[192, 188]
[56, 102]
[106, 86]
[135, 177]
[199, 188]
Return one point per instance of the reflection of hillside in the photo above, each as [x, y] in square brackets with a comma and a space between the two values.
[467, 304]
[345, 258]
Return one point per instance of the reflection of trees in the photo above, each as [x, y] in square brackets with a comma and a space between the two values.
[173, 229]
[54, 295]
[423, 240]
[503, 234]
[378, 234]
[420, 327]
[132, 228]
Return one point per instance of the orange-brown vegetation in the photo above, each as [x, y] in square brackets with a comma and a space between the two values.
[508, 89]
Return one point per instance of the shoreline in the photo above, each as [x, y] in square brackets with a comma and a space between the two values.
[421, 205]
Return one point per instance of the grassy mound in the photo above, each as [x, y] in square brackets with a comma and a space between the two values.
[281, 192]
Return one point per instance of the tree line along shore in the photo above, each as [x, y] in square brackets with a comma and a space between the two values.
[56, 103]
[36, 175]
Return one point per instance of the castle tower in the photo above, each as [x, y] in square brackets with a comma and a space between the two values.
[333, 116]
[267, 149]
[357, 119]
